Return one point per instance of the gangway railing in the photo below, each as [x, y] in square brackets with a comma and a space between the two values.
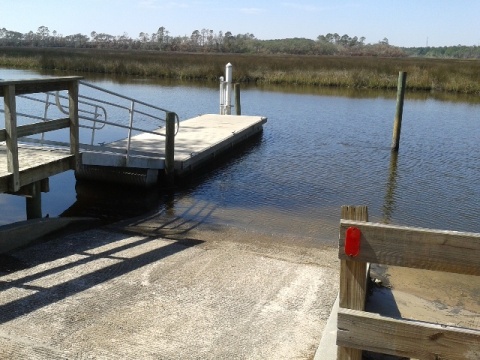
[28, 179]
[108, 115]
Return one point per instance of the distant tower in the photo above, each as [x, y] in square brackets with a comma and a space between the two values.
[427, 41]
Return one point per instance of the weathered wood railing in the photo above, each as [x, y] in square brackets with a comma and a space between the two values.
[9, 89]
[436, 250]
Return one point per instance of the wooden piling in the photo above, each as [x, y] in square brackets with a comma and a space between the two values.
[397, 125]
[353, 281]
[170, 148]
[34, 201]
[238, 107]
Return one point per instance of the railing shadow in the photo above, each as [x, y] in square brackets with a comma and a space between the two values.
[71, 260]
[173, 222]
[380, 298]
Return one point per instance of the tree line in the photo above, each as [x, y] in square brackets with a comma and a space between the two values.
[209, 41]
[446, 52]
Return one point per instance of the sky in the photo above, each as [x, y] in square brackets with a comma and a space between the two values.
[408, 23]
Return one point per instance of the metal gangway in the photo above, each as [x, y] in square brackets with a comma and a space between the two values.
[107, 121]
[117, 138]
[104, 116]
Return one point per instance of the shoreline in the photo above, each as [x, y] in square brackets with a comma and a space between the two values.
[424, 74]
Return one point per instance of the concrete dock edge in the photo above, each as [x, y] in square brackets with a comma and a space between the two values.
[327, 349]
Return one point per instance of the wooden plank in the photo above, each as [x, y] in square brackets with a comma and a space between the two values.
[30, 86]
[39, 173]
[35, 164]
[30, 191]
[412, 339]
[38, 128]
[353, 281]
[51, 168]
[11, 135]
[420, 248]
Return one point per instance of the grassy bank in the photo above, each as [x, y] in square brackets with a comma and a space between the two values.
[461, 76]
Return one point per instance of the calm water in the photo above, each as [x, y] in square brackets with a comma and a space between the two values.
[319, 150]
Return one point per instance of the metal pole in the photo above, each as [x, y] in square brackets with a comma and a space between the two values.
[397, 124]
[228, 95]
[222, 95]
[95, 116]
[132, 108]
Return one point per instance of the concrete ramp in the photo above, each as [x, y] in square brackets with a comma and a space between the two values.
[166, 288]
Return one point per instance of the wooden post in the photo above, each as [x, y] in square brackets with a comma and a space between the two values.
[397, 124]
[238, 106]
[353, 281]
[73, 114]
[11, 138]
[34, 201]
[170, 148]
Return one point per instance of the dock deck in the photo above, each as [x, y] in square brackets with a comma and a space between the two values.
[35, 164]
[199, 139]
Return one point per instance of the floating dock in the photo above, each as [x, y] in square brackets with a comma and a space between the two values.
[144, 157]
[199, 140]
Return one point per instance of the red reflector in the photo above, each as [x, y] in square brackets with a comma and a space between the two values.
[352, 241]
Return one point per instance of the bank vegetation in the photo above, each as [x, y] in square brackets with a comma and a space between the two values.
[369, 72]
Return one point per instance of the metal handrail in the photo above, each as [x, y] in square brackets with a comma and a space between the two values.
[94, 110]
[57, 95]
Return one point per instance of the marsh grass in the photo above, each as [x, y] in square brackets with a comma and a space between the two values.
[461, 76]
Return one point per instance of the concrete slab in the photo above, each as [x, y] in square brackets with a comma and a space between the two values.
[19, 234]
[163, 288]
[327, 349]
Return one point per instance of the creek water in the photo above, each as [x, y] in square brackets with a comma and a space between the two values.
[320, 149]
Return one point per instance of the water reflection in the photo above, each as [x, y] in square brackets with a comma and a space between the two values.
[110, 202]
[389, 200]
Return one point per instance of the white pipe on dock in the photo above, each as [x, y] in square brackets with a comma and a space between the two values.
[228, 95]
[222, 95]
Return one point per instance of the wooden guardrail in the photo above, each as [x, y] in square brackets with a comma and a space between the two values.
[437, 250]
[9, 89]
